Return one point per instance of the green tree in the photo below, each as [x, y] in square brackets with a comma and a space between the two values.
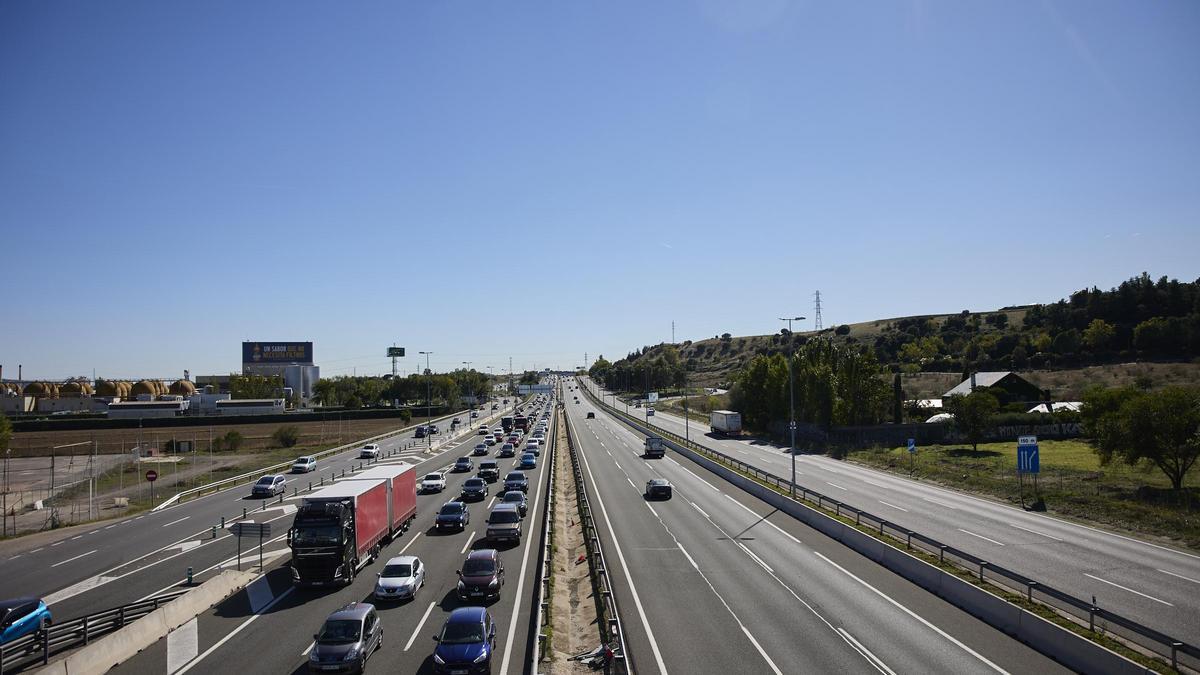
[325, 392]
[233, 441]
[1067, 342]
[286, 436]
[5, 432]
[1099, 335]
[1161, 426]
[255, 386]
[973, 414]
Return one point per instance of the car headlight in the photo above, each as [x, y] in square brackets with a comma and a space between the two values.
[438, 660]
[462, 586]
[351, 655]
[494, 583]
[482, 655]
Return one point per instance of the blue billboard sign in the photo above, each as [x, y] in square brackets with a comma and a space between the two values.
[277, 352]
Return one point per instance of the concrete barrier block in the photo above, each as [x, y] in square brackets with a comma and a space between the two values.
[1069, 649]
[114, 648]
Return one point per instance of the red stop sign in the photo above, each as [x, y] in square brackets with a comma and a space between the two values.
[151, 475]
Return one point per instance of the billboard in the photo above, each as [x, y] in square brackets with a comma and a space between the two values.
[277, 352]
[395, 352]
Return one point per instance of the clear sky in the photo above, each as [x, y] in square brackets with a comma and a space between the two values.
[544, 179]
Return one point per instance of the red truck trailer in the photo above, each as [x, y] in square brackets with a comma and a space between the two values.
[401, 481]
[338, 530]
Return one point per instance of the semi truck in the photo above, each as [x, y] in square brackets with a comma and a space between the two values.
[401, 480]
[506, 423]
[725, 422]
[340, 529]
[655, 447]
[521, 422]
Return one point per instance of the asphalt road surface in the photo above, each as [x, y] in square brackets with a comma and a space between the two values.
[715, 581]
[1153, 584]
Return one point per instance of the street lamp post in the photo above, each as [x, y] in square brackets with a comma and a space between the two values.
[428, 398]
[468, 365]
[792, 400]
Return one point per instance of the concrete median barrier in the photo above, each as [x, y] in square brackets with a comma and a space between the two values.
[100, 656]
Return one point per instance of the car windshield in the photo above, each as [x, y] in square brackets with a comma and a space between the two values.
[476, 568]
[451, 509]
[316, 534]
[462, 633]
[266, 480]
[463, 460]
[514, 497]
[505, 517]
[514, 476]
[339, 631]
[397, 570]
[473, 483]
[433, 476]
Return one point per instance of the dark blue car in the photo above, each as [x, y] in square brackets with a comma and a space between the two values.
[466, 642]
[22, 616]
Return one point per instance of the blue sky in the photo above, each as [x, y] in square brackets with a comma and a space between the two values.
[541, 180]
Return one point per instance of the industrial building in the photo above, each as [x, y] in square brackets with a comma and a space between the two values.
[291, 360]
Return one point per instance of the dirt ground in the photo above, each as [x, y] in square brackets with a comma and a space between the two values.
[257, 436]
[572, 608]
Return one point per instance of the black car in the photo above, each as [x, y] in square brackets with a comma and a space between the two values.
[489, 470]
[516, 480]
[517, 497]
[463, 464]
[474, 489]
[347, 638]
[452, 515]
[658, 488]
[481, 576]
[591, 415]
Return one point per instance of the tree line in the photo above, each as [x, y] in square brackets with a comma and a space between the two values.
[640, 373]
[440, 388]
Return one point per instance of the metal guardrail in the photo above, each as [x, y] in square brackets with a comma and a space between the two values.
[611, 620]
[36, 648]
[541, 591]
[1096, 619]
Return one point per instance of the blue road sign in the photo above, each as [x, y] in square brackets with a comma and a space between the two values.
[912, 445]
[1027, 455]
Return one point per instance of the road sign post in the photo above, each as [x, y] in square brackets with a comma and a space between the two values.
[259, 530]
[912, 455]
[1028, 461]
[151, 476]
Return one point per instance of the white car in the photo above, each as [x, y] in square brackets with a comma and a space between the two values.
[304, 465]
[433, 482]
[400, 579]
[489, 439]
[369, 451]
[483, 431]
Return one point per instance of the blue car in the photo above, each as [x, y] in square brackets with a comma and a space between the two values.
[528, 461]
[466, 642]
[21, 617]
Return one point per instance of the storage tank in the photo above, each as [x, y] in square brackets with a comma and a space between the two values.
[107, 388]
[41, 390]
[147, 387]
[182, 388]
[71, 390]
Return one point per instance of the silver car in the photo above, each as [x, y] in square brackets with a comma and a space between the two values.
[400, 579]
[348, 637]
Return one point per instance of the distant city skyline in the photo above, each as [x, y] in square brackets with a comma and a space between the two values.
[485, 181]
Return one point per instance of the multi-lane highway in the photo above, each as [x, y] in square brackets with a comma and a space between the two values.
[1153, 584]
[270, 629]
[714, 581]
[109, 564]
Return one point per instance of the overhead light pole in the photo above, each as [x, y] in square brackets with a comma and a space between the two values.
[428, 398]
[473, 397]
[792, 399]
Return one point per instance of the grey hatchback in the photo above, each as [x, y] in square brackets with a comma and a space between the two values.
[347, 638]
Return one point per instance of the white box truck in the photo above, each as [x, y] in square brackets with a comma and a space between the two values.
[725, 422]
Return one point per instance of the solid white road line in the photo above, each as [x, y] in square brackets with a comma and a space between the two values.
[235, 631]
[980, 536]
[512, 622]
[697, 507]
[176, 521]
[835, 485]
[1048, 536]
[939, 503]
[470, 540]
[699, 478]
[763, 519]
[898, 508]
[420, 625]
[1194, 581]
[914, 615]
[81, 555]
[637, 601]
[874, 660]
[1126, 588]
[308, 649]
[183, 644]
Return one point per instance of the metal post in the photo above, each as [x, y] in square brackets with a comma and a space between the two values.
[792, 401]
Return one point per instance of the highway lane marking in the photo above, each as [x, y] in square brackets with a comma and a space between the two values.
[176, 521]
[630, 482]
[914, 615]
[835, 485]
[470, 540]
[1126, 588]
[699, 478]
[898, 508]
[871, 482]
[37, 549]
[235, 631]
[109, 527]
[1194, 581]
[695, 506]
[512, 622]
[78, 536]
[980, 536]
[750, 553]
[81, 555]
[15, 556]
[764, 519]
[939, 503]
[867, 654]
[58, 542]
[1048, 536]
[420, 625]
[637, 600]
[93, 532]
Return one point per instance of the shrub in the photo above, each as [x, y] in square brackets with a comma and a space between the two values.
[842, 330]
[406, 416]
[286, 436]
[233, 441]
